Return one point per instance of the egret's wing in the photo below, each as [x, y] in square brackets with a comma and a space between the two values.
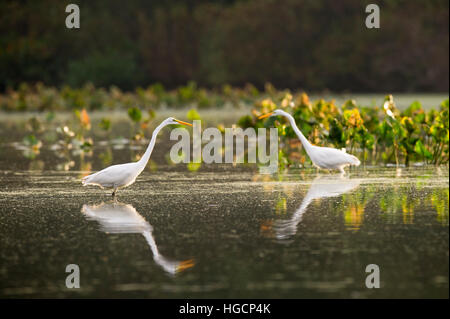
[108, 176]
[331, 157]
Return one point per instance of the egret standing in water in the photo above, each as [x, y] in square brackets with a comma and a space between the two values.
[123, 175]
[322, 157]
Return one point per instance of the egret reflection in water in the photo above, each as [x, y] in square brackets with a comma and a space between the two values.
[321, 187]
[119, 218]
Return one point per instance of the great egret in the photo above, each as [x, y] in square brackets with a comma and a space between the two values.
[320, 188]
[123, 175]
[119, 218]
[322, 157]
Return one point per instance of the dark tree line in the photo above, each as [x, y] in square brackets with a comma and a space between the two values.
[309, 44]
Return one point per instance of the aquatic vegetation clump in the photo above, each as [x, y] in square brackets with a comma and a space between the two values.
[376, 134]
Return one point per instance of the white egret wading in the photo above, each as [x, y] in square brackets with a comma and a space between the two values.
[123, 175]
[322, 157]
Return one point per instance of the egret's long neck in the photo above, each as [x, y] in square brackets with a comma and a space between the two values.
[306, 144]
[151, 242]
[298, 215]
[168, 266]
[144, 160]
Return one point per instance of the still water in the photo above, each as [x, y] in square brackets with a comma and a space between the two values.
[225, 231]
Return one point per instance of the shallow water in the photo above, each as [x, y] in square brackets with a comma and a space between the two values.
[183, 231]
[224, 231]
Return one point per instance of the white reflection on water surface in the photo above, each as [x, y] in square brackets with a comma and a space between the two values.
[321, 187]
[119, 218]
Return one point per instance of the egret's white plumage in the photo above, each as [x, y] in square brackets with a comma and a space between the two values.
[322, 157]
[119, 218]
[123, 175]
[320, 188]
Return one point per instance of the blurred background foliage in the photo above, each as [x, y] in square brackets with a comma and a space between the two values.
[303, 44]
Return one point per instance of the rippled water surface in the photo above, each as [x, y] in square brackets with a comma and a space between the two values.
[225, 231]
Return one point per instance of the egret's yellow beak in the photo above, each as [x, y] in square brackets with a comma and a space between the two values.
[265, 115]
[185, 264]
[184, 123]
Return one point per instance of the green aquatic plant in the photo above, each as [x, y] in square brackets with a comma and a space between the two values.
[32, 146]
[193, 115]
[193, 167]
[439, 132]
[105, 124]
[72, 137]
[81, 141]
[135, 114]
[140, 123]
